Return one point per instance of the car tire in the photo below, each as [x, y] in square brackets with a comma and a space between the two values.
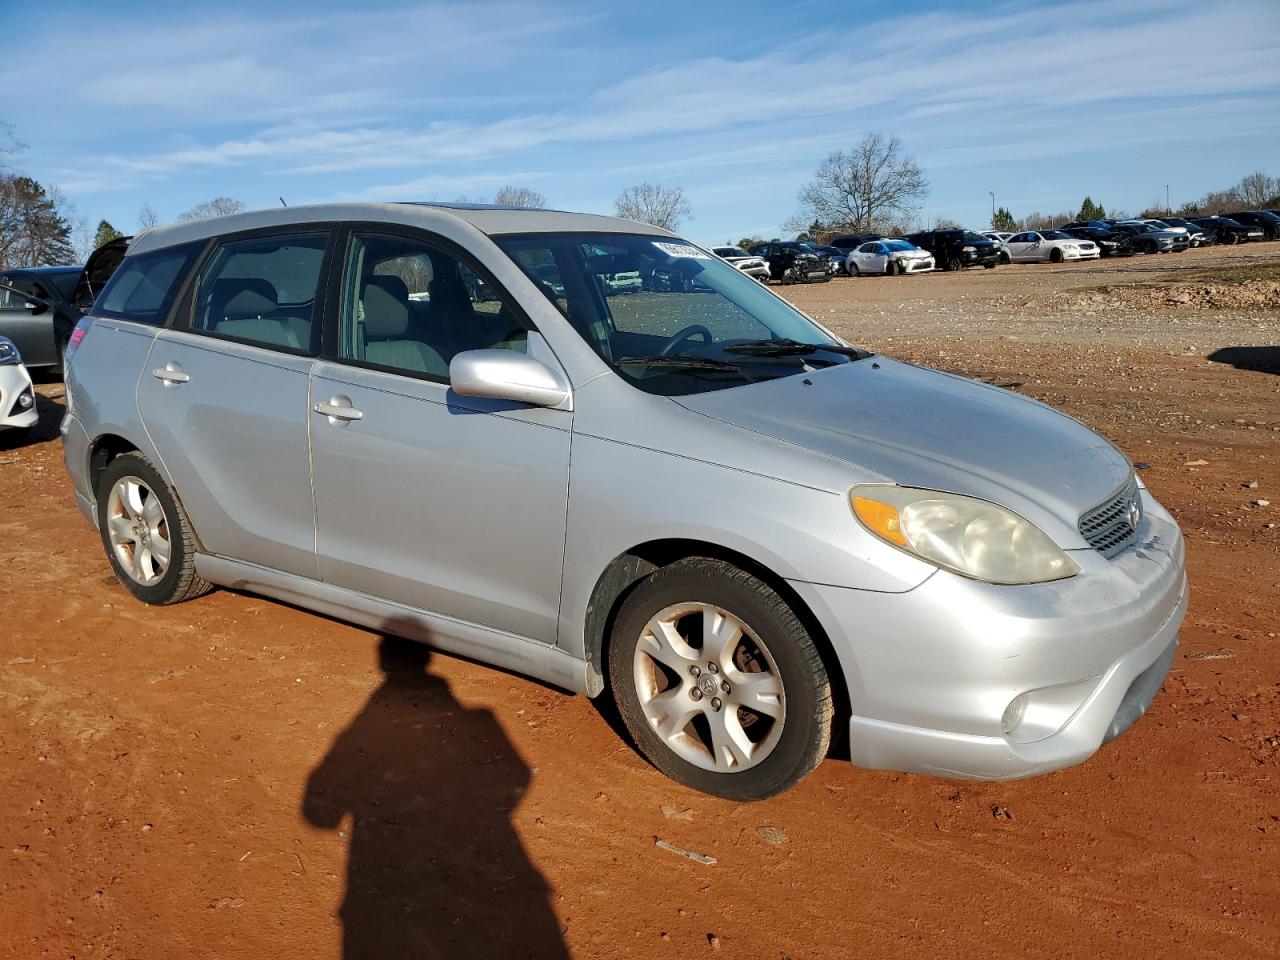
[953, 264]
[1004, 258]
[1055, 256]
[137, 512]
[989, 265]
[891, 269]
[658, 663]
[854, 271]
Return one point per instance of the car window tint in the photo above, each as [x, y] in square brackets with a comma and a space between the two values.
[262, 290]
[144, 286]
[411, 306]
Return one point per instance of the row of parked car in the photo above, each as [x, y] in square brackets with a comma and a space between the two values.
[798, 261]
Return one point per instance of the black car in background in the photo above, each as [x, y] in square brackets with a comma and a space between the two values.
[1110, 243]
[955, 249]
[791, 261]
[1227, 230]
[1200, 236]
[834, 256]
[1264, 220]
[848, 242]
[40, 306]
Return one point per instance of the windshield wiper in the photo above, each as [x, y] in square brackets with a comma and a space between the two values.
[782, 347]
[684, 361]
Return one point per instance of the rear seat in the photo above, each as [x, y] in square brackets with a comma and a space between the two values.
[245, 308]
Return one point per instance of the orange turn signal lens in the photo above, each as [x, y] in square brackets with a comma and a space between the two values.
[880, 518]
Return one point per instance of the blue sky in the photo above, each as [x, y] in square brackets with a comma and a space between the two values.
[169, 104]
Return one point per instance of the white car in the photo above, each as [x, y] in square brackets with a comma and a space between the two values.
[1052, 245]
[17, 397]
[889, 256]
[748, 263]
[1001, 239]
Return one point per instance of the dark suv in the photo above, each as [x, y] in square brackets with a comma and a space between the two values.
[955, 249]
[1227, 230]
[1264, 220]
[791, 261]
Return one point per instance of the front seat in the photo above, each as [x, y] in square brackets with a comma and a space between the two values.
[386, 321]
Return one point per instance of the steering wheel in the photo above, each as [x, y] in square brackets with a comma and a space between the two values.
[681, 336]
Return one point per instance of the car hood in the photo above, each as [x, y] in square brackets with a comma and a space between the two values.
[918, 427]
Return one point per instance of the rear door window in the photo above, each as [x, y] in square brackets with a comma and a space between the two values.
[262, 291]
[144, 287]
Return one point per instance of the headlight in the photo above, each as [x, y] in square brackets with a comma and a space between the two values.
[9, 354]
[968, 536]
[968, 249]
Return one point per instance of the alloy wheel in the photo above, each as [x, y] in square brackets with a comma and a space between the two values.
[138, 531]
[709, 687]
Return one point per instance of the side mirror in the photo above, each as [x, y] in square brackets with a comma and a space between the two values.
[36, 307]
[507, 375]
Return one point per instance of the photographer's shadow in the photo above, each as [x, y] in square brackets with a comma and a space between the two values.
[436, 868]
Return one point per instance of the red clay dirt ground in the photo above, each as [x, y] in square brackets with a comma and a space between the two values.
[233, 778]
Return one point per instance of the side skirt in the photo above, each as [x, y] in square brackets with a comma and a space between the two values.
[506, 650]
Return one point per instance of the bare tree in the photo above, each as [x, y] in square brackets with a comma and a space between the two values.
[665, 207]
[866, 187]
[147, 217]
[217, 207]
[510, 196]
[1257, 189]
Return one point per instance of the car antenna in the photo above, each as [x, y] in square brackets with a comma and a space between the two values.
[282, 203]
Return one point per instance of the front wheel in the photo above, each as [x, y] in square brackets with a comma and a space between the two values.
[146, 534]
[718, 681]
[1055, 256]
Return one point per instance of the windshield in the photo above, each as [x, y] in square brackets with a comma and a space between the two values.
[1056, 235]
[691, 324]
[971, 237]
[898, 245]
[729, 251]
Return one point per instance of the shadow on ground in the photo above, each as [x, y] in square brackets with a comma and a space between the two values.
[1261, 359]
[436, 868]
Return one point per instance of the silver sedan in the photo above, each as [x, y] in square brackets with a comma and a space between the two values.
[438, 421]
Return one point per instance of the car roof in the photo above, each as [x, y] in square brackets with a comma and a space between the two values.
[489, 219]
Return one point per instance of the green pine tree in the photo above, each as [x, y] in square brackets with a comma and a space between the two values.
[39, 233]
[106, 233]
[1091, 211]
[1003, 220]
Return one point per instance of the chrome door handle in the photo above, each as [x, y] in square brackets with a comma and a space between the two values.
[171, 373]
[337, 409]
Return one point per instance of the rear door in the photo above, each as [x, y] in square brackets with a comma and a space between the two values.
[453, 505]
[225, 396]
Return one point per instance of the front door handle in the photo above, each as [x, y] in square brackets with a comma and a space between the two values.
[171, 373]
[338, 410]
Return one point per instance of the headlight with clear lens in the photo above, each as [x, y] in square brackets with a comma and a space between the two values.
[9, 354]
[971, 537]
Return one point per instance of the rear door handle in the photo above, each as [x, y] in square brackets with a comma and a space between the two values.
[338, 409]
[171, 373]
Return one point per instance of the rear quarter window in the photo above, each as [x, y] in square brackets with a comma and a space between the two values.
[144, 287]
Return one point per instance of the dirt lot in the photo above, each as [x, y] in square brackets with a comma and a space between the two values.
[233, 778]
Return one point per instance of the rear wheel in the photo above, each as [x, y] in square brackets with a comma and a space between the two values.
[719, 682]
[146, 534]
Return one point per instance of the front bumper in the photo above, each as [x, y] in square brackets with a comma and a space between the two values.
[17, 398]
[916, 264]
[931, 673]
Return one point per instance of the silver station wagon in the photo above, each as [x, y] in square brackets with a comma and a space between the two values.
[457, 424]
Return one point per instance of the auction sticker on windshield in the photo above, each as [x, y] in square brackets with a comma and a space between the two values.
[682, 250]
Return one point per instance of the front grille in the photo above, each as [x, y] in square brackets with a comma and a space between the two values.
[1111, 526]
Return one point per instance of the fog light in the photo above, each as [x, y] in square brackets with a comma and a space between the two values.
[25, 401]
[1039, 714]
[1013, 714]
